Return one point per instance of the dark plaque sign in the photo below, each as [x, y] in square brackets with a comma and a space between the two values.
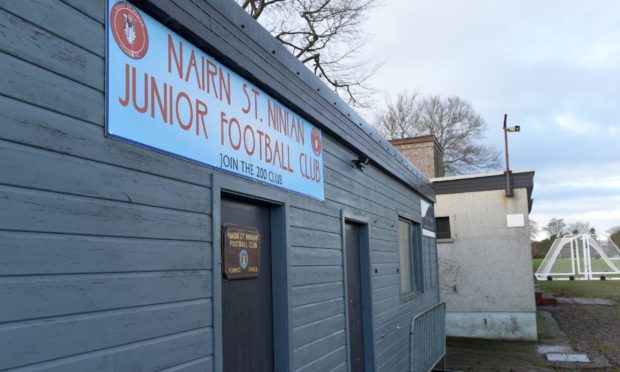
[240, 252]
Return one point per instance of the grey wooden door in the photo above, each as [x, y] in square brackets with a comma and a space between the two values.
[354, 294]
[247, 310]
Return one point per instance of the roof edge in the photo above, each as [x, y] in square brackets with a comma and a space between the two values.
[479, 175]
[330, 113]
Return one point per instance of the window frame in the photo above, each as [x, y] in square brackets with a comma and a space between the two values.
[416, 263]
[437, 232]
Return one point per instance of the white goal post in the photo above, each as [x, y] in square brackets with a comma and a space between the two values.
[580, 257]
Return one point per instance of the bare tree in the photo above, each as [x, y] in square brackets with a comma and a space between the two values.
[326, 35]
[556, 227]
[579, 227]
[401, 116]
[614, 235]
[533, 229]
[453, 121]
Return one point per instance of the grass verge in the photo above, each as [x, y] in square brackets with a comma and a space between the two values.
[582, 288]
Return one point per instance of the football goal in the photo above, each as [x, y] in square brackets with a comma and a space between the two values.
[580, 257]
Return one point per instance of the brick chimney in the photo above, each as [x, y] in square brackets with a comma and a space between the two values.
[424, 152]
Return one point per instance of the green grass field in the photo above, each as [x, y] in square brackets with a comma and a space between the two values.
[537, 262]
[584, 288]
[609, 289]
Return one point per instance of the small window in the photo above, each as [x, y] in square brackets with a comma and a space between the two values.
[443, 227]
[410, 247]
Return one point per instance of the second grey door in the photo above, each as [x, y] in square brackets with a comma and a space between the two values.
[354, 293]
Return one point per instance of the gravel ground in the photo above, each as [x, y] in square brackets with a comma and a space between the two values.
[592, 329]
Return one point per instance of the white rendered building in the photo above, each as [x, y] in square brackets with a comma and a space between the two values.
[484, 253]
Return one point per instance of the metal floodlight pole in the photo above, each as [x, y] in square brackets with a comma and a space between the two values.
[509, 191]
[506, 142]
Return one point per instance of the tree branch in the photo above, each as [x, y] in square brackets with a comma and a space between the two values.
[324, 34]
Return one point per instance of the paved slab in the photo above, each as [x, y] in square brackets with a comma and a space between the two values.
[545, 349]
[564, 357]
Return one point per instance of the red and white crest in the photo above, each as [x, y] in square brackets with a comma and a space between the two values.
[129, 30]
[316, 141]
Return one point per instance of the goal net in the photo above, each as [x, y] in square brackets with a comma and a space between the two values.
[581, 257]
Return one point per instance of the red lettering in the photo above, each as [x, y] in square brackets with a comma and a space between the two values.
[247, 97]
[260, 143]
[285, 121]
[170, 115]
[317, 171]
[177, 60]
[225, 86]
[276, 154]
[256, 94]
[211, 72]
[300, 131]
[163, 109]
[145, 107]
[223, 122]
[271, 114]
[201, 112]
[125, 102]
[268, 152]
[309, 171]
[191, 113]
[202, 71]
[235, 122]
[246, 130]
[302, 157]
[192, 62]
[288, 150]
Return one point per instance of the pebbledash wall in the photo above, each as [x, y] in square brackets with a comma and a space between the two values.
[486, 262]
[108, 256]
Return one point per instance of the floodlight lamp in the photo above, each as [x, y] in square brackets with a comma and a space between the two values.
[514, 128]
[361, 162]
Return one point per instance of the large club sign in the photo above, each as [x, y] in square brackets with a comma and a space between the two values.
[164, 93]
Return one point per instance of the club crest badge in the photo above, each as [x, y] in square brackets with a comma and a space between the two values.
[316, 141]
[129, 30]
[243, 259]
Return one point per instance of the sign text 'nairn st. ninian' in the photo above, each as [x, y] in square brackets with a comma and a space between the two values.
[165, 93]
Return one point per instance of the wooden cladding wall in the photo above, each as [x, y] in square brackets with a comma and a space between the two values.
[105, 247]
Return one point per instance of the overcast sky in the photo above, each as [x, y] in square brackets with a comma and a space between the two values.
[552, 66]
